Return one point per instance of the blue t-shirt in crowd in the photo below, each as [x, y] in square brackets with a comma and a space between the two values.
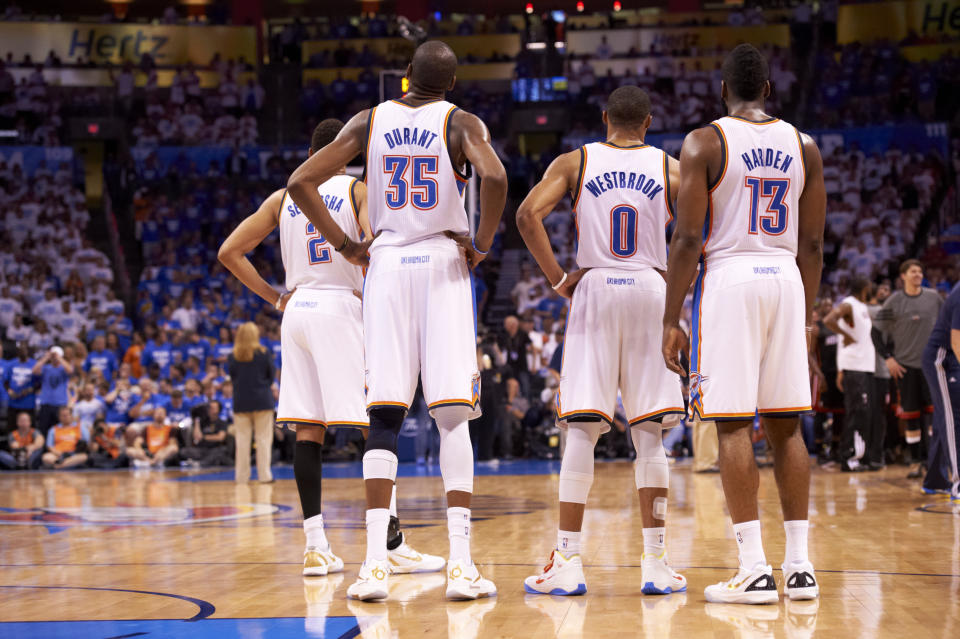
[200, 350]
[175, 414]
[554, 306]
[161, 354]
[146, 410]
[948, 320]
[117, 409]
[222, 351]
[104, 360]
[53, 385]
[18, 377]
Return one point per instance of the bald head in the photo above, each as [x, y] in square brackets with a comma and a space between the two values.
[433, 66]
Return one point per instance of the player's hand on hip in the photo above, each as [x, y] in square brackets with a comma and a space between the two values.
[282, 304]
[673, 340]
[472, 255]
[571, 283]
[896, 370]
[358, 252]
[840, 381]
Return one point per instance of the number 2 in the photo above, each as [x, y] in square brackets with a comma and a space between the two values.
[423, 189]
[317, 253]
[774, 221]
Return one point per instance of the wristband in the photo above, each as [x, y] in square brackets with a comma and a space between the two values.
[811, 328]
[474, 243]
[560, 283]
[276, 305]
[346, 240]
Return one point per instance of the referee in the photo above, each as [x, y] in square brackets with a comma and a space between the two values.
[942, 370]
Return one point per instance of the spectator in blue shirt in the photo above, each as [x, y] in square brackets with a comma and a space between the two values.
[119, 401]
[196, 346]
[551, 306]
[54, 372]
[100, 357]
[20, 381]
[159, 352]
[177, 408]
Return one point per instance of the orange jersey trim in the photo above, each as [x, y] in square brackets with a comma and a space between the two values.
[657, 413]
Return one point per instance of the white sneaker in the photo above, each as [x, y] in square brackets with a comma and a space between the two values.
[562, 576]
[317, 563]
[141, 463]
[658, 577]
[799, 582]
[464, 582]
[404, 559]
[371, 583]
[746, 587]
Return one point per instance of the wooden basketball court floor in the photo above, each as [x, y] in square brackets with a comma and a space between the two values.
[177, 554]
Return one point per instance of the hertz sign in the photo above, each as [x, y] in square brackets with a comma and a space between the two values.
[116, 43]
[897, 20]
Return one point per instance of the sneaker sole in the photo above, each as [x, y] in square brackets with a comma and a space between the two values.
[650, 589]
[369, 596]
[459, 595]
[802, 594]
[752, 598]
[401, 570]
[315, 572]
[581, 589]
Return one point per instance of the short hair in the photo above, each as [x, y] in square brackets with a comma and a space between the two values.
[858, 283]
[745, 71]
[433, 66]
[628, 106]
[325, 133]
[905, 266]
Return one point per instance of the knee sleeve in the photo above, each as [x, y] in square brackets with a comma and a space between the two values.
[385, 423]
[379, 464]
[651, 469]
[456, 451]
[576, 469]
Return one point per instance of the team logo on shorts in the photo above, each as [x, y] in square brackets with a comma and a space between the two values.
[57, 519]
[475, 395]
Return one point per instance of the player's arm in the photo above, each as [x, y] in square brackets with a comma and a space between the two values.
[955, 342]
[559, 179]
[474, 138]
[246, 237]
[359, 191]
[320, 167]
[832, 321]
[701, 149]
[813, 211]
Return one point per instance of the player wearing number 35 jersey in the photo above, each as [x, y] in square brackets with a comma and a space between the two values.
[418, 302]
[751, 210]
[321, 340]
[622, 191]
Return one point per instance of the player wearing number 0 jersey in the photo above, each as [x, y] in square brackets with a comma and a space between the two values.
[622, 198]
[321, 341]
[418, 300]
[751, 210]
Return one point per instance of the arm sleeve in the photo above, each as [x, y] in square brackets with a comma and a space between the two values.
[883, 350]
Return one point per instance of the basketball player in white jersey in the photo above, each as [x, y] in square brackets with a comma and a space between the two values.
[622, 198]
[418, 303]
[751, 205]
[321, 343]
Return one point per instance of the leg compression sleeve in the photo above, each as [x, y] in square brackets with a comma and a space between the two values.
[651, 469]
[456, 451]
[307, 470]
[385, 423]
[576, 469]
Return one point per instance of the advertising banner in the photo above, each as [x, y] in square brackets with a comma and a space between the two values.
[896, 21]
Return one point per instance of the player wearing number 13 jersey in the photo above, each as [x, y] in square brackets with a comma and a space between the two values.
[751, 210]
[622, 192]
[418, 301]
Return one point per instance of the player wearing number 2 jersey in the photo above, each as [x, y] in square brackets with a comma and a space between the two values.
[418, 303]
[321, 340]
[623, 192]
[751, 205]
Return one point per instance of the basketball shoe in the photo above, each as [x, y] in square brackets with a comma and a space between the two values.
[317, 563]
[371, 583]
[562, 576]
[404, 559]
[799, 582]
[658, 577]
[464, 582]
[754, 586]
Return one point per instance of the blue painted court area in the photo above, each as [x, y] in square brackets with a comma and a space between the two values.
[275, 628]
[354, 470]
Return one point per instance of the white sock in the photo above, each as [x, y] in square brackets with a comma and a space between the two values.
[316, 538]
[377, 521]
[393, 501]
[458, 526]
[796, 551]
[654, 540]
[750, 544]
[568, 542]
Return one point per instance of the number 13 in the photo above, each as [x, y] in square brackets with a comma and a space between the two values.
[774, 221]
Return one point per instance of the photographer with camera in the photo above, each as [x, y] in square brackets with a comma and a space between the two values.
[66, 442]
[25, 444]
[106, 446]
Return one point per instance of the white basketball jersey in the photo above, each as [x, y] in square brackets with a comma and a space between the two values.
[622, 207]
[413, 188]
[308, 259]
[755, 203]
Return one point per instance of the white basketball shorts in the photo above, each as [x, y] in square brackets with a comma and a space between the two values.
[748, 341]
[613, 342]
[321, 342]
[419, 318]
